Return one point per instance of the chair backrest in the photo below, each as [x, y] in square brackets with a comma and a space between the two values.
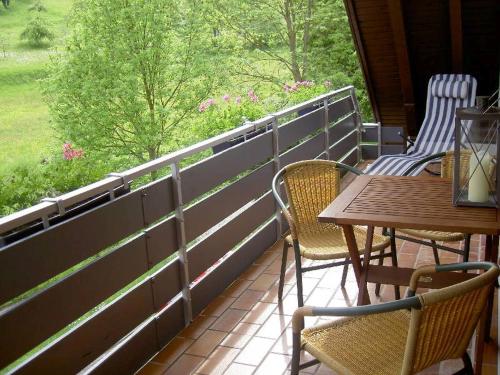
[448, 163]
[442, 328]
[311, 185]
[445, 93]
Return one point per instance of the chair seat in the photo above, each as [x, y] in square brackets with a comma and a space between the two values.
[433, 235]
[371, 344]
[331, 244]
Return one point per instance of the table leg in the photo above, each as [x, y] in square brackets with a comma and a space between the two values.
[352, 246]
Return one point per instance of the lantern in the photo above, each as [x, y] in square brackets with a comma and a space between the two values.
[476, 152]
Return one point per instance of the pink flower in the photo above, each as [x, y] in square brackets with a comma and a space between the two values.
[204, 105]
[226, 98]
[305, 83]
[286, 87]
[69, 153]
[238, 100]
[251, 95]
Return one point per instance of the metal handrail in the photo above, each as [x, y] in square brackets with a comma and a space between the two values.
[47, 208]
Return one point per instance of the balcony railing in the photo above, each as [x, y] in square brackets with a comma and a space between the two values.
[101, 278]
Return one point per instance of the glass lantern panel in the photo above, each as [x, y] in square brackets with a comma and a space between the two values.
[477, 163]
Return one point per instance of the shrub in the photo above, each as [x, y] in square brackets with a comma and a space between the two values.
[226, 113]
[299, 92]
[37, 31]
[28, 182]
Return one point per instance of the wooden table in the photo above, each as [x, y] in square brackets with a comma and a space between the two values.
[407, 202]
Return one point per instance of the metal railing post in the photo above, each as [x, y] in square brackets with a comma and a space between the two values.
[379, 136]
[276, 167]
[181, 242]
[326, 129]
[358, 121]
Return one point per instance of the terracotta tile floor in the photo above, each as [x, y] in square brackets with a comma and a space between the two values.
[246, 330]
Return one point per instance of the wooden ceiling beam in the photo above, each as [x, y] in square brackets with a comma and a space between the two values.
[455, 10]
[401, 47]
[358, 44]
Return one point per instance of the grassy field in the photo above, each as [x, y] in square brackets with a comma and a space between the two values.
[25, 132]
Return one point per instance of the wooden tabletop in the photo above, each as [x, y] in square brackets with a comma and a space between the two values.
[408, 202]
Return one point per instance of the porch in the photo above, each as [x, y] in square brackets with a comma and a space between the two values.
[246, 330]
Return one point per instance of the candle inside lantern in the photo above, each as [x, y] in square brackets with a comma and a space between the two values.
[479, 187]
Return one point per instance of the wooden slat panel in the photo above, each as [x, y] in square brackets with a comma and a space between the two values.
[392, 149]
[143, 343]
[209, 173]
[208, 251]
[390, 134]
[46, 254]
[299, 128]
[158, 199]
[87, 341]
[341, 148]
[369, 152]
[47, 312]
[170, 322]
[340, 108]
[352, 158]
[161, 240]
[215, 282]
[167, 283]
[342, 128]
[132, 354]
[369, 135]
[306, 150]
[211, 210]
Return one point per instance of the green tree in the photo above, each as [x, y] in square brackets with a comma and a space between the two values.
[332, 53]
[37, 31]
[279, 30]
[134, 71]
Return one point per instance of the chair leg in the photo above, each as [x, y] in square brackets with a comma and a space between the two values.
[380, 263]
[394, 259]
[298, 272]
[295, 354]
[435, 252]
[468, 369]
[344, 273]
[466, 247]
[283, 270]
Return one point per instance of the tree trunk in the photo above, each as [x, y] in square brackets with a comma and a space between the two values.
[306, 38]
[292, 40]
[153, 155]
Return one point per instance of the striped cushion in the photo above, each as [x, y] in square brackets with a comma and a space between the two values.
[450, 89]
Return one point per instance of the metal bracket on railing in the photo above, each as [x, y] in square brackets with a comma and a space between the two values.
[181, 243]
[276, 166]
[125, 181]
[45, 222]
[60, 205]
[326, 129]
[111, 194]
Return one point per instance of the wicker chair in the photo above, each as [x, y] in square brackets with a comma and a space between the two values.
[430, 237]
[398, 337]
[311, 185]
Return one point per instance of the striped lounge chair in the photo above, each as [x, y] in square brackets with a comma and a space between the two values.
[445, 93]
